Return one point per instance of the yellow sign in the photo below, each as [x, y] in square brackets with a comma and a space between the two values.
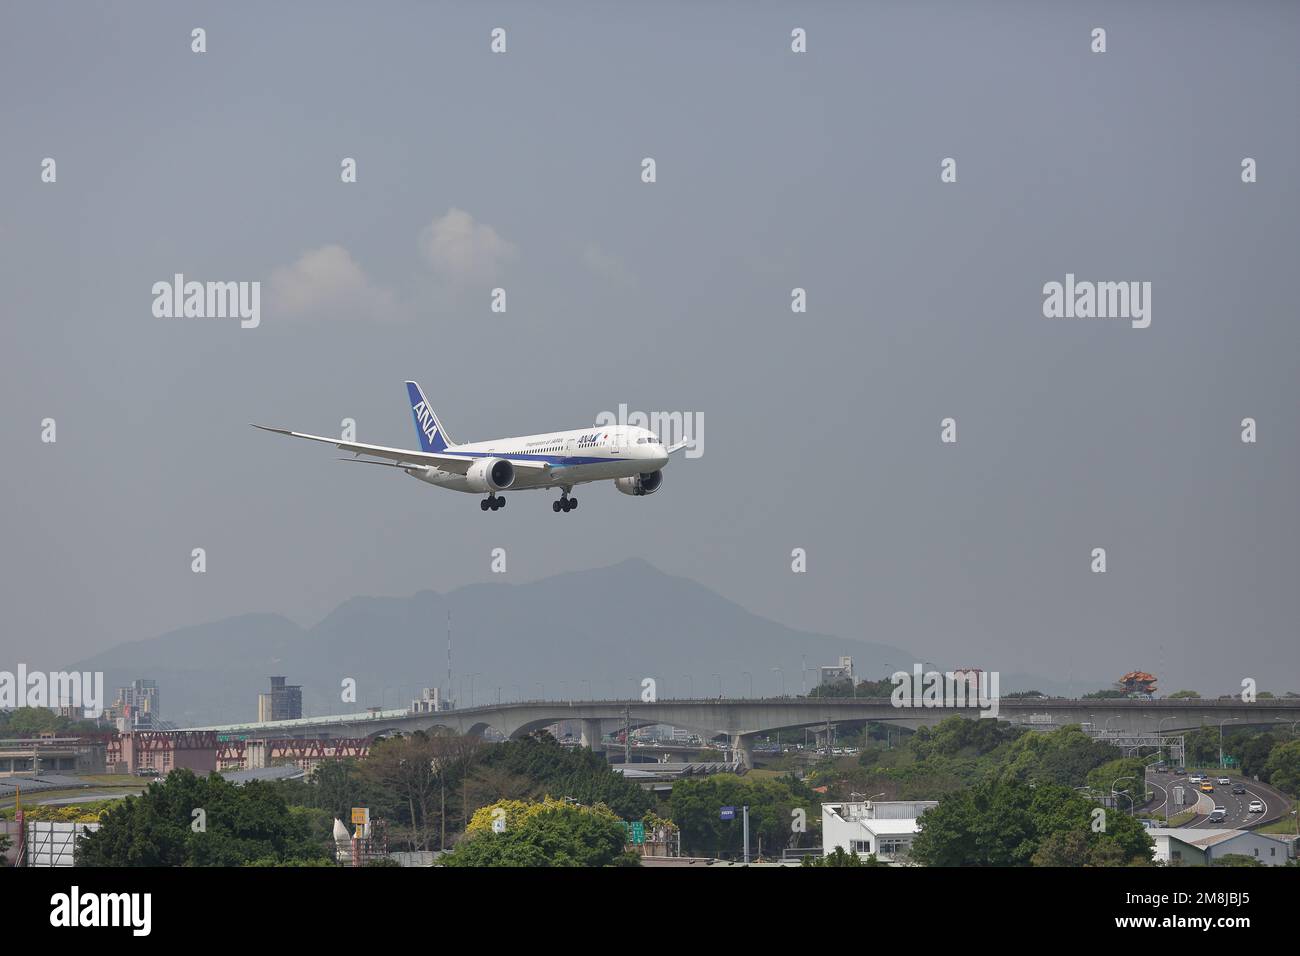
[361, 815]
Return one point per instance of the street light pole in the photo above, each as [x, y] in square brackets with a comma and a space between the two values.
[745, 812]
[1221, 723]
[627, 739]
[1132, 805]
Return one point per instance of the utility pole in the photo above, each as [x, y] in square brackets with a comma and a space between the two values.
[627, 740]
[745, 813]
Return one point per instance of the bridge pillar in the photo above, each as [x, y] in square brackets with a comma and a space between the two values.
[591, 735]
[742, 747]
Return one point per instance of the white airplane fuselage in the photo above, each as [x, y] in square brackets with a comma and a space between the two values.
[575, 457]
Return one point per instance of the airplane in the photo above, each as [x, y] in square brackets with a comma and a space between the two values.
[633, 458]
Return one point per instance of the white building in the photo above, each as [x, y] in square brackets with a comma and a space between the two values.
[1194, 846]
[885, 828]
[829, 674]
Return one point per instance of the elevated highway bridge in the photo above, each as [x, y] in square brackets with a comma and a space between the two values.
[742, 719]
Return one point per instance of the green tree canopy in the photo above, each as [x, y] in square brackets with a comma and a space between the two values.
[240, 825]
[548, 834]
[696, 804]
[1008, 823]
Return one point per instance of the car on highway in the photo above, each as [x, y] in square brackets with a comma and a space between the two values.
[1224, 781]
[1196, 778]
[1238, 789]
[1218, 814]
[1180, 771]
[1207, 787]
[1256, 806]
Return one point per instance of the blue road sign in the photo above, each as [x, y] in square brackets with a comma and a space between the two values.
[728, 813]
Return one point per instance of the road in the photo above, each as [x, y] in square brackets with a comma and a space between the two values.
[1237, 816]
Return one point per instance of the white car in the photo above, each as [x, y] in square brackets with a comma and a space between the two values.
[1256, 806]
[1196, 778]
[1224, 781]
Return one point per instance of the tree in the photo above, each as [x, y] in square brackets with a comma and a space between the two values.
[1126, 775]
[1254, 751]
[240, 825]
[30, 721]
[548, 833]
[844, 687]
[1235, 859]
[1283, 767]
[1178, 694]
[340, 786]
[1063, 757]
[1007, 823]
[408, 767]
[695, 806]
[962, 736]
[561, 772]
[837, 857]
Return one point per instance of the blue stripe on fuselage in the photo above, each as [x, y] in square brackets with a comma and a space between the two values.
[552, 459]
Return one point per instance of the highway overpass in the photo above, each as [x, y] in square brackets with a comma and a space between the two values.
[742, 719]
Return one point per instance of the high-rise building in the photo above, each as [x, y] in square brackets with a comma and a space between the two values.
[136, 707]
[284, 702]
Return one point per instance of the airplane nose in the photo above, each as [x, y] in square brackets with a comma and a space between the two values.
[653, 456]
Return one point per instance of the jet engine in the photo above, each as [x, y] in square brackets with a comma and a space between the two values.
[490, 474]
[646, 484]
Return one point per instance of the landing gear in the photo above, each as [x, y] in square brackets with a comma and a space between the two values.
[493, 502]
[565, 503]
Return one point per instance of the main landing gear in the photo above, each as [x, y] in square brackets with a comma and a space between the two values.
[565, 503]
[492, 501]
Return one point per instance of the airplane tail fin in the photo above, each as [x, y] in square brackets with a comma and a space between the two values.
[433, 437]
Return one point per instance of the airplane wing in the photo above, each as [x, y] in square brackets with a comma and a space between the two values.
[679, 446]
[444, 461]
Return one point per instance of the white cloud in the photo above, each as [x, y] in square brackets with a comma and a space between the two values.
[462, 250]
[606, 264]
[328, 283]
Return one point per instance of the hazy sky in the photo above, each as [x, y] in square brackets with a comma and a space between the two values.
[774, 170]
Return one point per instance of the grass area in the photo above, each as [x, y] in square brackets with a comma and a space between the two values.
[1283, 827]
[1286, 826]
[1182, 819]
[7, 807]
[113, 779]
[760, 773]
